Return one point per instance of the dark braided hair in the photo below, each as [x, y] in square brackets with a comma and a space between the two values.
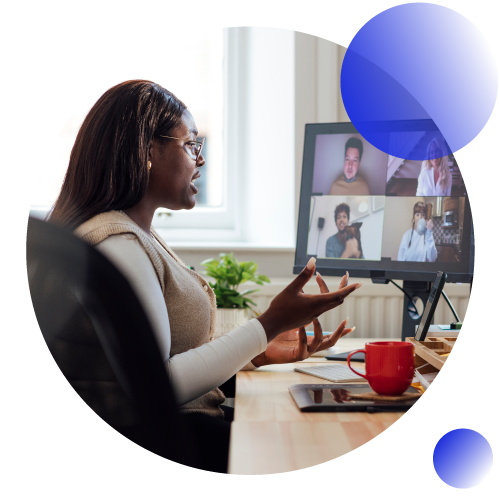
[108, 164]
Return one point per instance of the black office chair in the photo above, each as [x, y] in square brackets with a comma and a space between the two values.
[102, 341]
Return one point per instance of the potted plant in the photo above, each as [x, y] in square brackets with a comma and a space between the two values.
[232, 306]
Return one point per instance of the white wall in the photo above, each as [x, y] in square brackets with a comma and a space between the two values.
[317, 92]
[266, 143]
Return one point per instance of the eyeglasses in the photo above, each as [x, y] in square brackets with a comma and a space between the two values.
[192, 148]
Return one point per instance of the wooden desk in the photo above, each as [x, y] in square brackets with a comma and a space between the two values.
[270, 435]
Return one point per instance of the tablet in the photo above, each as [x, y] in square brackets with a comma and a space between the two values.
[333, 397]
[342, 356]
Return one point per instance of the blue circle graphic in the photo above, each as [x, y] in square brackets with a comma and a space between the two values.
[462, 458]
[414, 64]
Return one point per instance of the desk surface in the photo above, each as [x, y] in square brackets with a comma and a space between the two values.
[269, 433]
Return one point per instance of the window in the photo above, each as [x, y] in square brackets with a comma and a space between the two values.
[240, 86]
[193, 72]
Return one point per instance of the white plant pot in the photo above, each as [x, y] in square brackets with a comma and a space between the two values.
[228, 320]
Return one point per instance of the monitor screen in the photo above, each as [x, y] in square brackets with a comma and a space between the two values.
[380, 216]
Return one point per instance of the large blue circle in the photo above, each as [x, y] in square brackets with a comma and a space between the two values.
[418, 61]
[462, 458]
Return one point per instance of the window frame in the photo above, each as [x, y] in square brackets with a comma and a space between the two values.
[244, 220]
[215, 223]
[218, 223]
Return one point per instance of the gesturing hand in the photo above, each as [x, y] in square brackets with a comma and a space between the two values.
[295, 345]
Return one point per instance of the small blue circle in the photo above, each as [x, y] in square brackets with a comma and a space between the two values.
[462, 458]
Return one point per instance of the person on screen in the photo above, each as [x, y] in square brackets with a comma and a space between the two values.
[351, 182]
[435, 176]
[341, 245]
[417, 244]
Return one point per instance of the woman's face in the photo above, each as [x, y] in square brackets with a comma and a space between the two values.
[173, 170]
[435, 153]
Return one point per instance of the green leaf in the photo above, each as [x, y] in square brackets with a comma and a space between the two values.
[248, 301]
[246, 265]
[207, 262]
[236, 300]
[212, 275]
[224, 287]
[233, 263]
[228, 274]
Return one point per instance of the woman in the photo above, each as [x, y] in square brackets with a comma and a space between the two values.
[435, 177]
[417, 244]
[135, 152]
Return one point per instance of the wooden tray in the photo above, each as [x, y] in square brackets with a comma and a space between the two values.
[433, 350]
[426, 374]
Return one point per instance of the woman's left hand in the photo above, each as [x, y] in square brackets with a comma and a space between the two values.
[295, 345]
[430, 225]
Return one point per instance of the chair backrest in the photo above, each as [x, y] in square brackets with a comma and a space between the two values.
[63, 271]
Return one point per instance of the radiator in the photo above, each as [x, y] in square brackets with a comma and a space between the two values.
[375, 310]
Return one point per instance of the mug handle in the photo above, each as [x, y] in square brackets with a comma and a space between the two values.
[349, 362]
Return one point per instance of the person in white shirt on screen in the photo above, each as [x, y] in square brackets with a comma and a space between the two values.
[417, 244]
[435, 177]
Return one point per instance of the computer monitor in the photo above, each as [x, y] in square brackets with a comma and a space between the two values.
[380, 216]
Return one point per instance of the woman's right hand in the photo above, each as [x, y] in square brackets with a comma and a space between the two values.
[292, 308]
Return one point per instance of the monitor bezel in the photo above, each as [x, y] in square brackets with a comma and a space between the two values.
[367, 269]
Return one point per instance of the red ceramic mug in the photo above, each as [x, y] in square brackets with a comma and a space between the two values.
[389, 366]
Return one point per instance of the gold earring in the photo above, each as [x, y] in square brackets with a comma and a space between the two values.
[149, 165]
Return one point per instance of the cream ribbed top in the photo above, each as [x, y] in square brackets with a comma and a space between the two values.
[181, 307]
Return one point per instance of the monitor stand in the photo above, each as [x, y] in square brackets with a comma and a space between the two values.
[414, 289]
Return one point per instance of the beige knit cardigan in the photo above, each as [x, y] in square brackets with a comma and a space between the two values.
[189, 299]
